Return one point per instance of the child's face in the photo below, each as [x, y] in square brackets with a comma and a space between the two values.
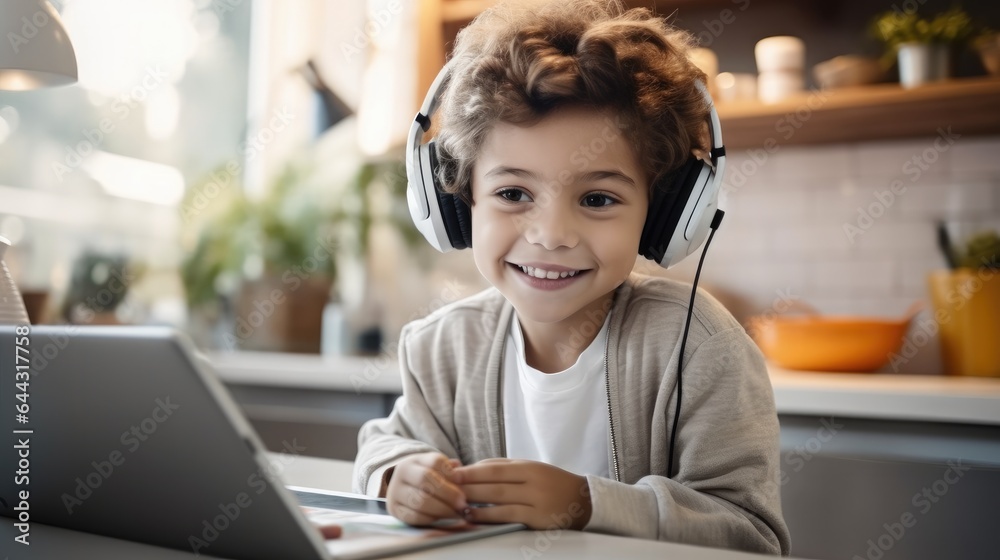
[564, 194]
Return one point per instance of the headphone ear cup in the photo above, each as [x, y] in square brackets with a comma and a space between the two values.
[457, 220]
[463, 215]
[455, 213]
[669, 197]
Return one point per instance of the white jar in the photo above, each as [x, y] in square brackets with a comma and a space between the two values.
[775, 86]
[780, 53]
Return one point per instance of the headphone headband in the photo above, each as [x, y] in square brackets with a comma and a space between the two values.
[680, 211]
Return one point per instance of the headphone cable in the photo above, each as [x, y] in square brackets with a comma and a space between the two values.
[716, 220]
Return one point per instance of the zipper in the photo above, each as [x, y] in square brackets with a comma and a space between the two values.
[503, 431]
[607, 386]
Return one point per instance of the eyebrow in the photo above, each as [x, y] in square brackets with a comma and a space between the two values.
[586, 177]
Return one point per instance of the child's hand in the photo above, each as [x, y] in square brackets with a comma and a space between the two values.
[537, 494]
[422, 490]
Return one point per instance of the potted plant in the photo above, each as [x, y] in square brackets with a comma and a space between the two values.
[269, 265]
[966, 303]
[99, 284]
[921, 46]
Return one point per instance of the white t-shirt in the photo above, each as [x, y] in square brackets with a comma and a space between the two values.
[557, 418]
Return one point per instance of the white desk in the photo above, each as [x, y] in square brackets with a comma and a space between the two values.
[53, 542]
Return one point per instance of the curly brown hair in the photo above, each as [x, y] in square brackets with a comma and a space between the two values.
[516, 62]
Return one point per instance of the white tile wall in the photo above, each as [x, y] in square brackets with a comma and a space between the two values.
[976, 154]
[784, 228]
[949, 198]
[854, 278]
[896, 158]
[809, 164]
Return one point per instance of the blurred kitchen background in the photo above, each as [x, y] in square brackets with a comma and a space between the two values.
[233, 168]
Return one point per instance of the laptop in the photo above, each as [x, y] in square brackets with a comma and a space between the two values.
[127, 432]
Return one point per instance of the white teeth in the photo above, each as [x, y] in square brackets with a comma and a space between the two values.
[547, 274]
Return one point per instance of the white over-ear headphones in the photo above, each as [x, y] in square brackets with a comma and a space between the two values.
[681, 208]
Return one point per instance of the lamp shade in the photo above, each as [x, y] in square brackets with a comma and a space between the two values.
[36, 51]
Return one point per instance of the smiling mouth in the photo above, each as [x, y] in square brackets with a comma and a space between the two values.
[547, 274]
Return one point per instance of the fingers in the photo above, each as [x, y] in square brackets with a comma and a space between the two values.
[419, 518]
[491, 470]
[507, 513]
[490, 493]
[437, 486]
[411, 516]
[423, 491]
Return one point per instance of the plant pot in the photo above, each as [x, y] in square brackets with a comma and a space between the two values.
[967, 313]
[920, 63]
[280, 314]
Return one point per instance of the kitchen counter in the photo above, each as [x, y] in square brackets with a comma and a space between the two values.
[963, 400]
[853, 447]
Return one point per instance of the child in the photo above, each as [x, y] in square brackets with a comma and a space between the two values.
[549, 399]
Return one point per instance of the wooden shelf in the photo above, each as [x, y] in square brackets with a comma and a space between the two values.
[969, 106]
[884, 111]
[462, 11]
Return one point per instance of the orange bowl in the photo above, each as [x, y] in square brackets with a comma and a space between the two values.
[829, 343]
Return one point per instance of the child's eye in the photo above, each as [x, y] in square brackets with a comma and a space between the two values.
[598, 200]
[511, 194]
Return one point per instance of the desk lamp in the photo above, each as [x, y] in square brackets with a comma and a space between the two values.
[39, 53]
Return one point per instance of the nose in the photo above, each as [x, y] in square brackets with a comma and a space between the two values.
[552, 227]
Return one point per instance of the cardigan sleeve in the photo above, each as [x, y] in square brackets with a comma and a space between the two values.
[725, 490]
[415, 425]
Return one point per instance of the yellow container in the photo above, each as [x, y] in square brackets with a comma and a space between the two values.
[967, 311]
